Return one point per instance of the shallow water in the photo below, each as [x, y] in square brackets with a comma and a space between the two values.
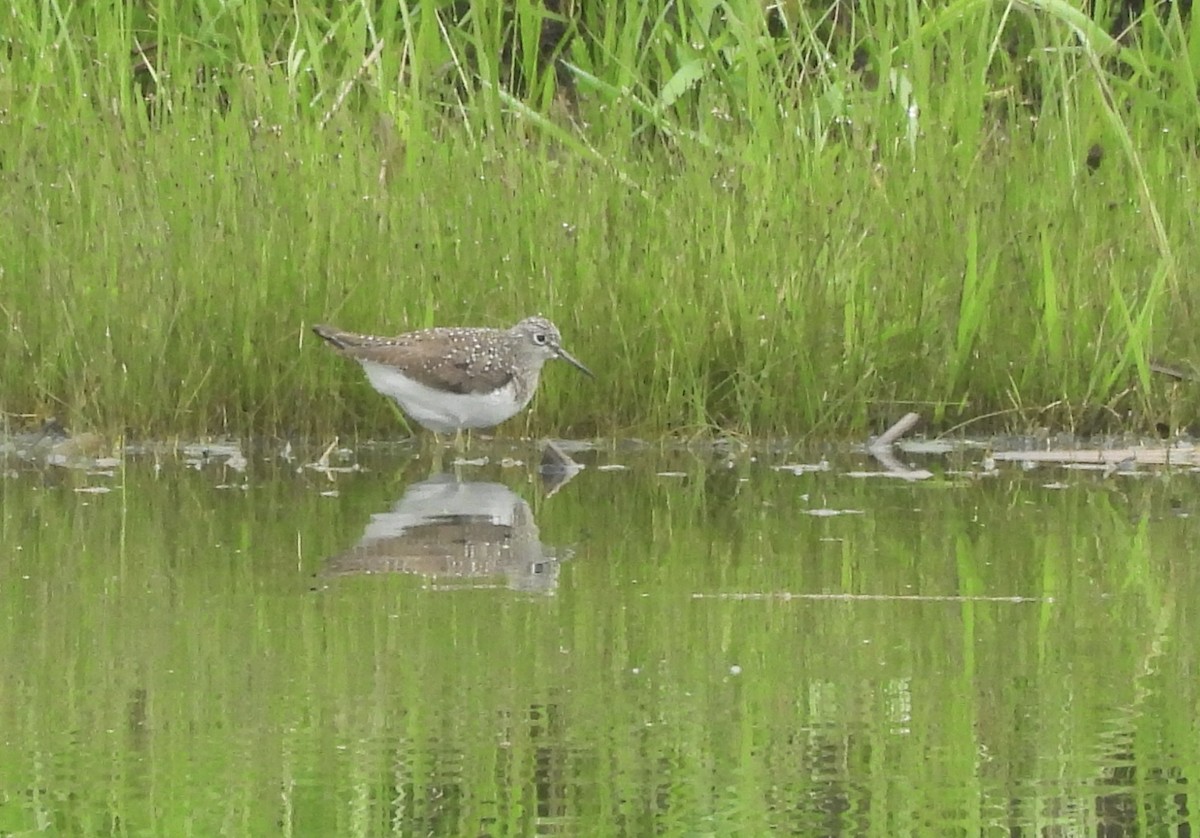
[223, 641]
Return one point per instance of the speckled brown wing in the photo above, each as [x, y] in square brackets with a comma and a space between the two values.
[447, 359]
[459, 546]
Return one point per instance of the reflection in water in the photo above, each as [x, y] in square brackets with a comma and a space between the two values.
[450, 529]
[1005, 653]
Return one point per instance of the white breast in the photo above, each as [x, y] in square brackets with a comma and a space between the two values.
[443, 412]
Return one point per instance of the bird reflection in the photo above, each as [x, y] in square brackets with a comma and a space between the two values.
[458, 534]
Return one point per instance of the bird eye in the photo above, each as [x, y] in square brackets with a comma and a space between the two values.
[540, 338]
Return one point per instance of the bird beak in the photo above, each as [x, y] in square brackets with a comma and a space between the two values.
[570, 359]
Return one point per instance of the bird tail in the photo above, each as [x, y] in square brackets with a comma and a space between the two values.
[333, 336]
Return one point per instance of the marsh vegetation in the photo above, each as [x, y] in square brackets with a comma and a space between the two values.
[768, 220]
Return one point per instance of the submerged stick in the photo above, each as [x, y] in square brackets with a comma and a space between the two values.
[881, 450]
[905, 424]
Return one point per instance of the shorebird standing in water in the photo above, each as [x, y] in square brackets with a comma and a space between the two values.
[455, 379]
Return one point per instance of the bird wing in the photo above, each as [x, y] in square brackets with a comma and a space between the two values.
[459, 371]
[444, 359]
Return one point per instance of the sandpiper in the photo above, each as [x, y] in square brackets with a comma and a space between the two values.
[453, 379]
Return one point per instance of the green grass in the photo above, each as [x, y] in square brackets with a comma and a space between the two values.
[738, 227]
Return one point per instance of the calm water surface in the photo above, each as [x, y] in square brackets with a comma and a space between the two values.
[672, 643]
